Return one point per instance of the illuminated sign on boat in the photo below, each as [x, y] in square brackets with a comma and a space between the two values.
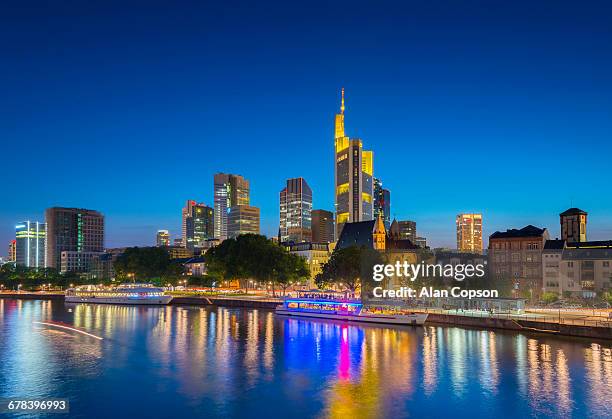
[338, 307]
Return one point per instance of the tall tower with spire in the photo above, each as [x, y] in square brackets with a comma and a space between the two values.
[353, 180]
[340, 120]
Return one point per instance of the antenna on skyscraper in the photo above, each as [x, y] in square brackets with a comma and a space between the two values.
[342, 104]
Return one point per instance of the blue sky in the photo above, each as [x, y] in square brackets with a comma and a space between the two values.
[130, 108]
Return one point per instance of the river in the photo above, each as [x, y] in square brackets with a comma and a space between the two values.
[216, 362]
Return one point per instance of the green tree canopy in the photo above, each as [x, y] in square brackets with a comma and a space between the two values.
[12, 276]
[148, 264]
[349, 266]
[252, 256]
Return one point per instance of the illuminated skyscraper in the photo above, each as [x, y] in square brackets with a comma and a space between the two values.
[163, 238]
[12, 251]
[30, 238]
[242, 219]
[353, 177]
[322, 226]
[229, 190]
[405, 230]
[382, 203]
[77, 232]
[469, 233]
[199, 225]
[185, 214]
[295, 211]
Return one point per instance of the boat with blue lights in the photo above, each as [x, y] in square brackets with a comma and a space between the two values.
[138, 294]
[339, 307]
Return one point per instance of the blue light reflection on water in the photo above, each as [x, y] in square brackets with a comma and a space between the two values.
[181, 361]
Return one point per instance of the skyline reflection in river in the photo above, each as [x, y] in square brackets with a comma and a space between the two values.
[177, 361]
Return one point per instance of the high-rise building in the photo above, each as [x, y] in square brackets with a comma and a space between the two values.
[382, 203]
[296, 211]
[242, 219]
[30, 237]
[573, 225]
[469, 233]
[163, 238]
[353, 185]
[322, 226]
[229, 190]
[76, 230]
[185, 213]
[12, 251]
[199, 225]
[407, 230]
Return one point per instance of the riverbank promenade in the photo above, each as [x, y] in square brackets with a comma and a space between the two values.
[587, 323]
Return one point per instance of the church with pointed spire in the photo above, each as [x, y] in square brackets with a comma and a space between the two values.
[353, 176]
[373, 234]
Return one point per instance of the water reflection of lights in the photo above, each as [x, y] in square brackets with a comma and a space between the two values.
[72, 329]
[430, 360]
[459, 340]
[217, 357]
[374, 366]
[489, 373]
[599, 377]
[520, 350]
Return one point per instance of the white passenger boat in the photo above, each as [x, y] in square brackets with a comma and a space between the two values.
[141, 294]
[351, 310]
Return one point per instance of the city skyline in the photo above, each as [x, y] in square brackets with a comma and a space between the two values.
[415, 102]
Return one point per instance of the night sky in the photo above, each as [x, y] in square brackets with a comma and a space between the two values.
[499, 107]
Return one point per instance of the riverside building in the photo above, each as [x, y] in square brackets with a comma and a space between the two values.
[30, 244]
[577, 269]
[75, 230]
[315, 254]
[516, 256]
[573, 225]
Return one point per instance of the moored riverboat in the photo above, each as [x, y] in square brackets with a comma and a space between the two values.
[332, 306]
[132, 294]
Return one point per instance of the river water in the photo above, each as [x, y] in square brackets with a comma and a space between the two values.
[217, 362]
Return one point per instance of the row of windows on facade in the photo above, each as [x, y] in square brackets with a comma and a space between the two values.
[570, 274]
[585, 264]
[516, 258]
[583, 284]
[515, 246]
